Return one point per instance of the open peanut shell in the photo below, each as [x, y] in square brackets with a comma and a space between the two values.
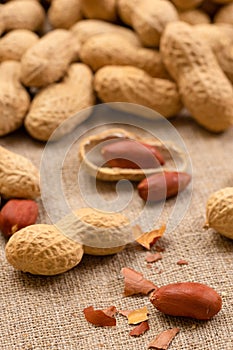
[90, 155]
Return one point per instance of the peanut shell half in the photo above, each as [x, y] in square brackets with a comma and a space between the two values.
[105, 173]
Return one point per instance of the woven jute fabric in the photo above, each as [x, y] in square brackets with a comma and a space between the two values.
[47, 312]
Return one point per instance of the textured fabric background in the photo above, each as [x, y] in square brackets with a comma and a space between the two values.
[46, 312]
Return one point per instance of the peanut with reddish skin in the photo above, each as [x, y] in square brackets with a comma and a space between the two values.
[187, 299]
[163, 185]
[17, 214]
[132, 154]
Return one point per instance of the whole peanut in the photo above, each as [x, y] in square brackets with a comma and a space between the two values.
[100, 9]
[149, 19]
[125, 10]
[48, 60]
[133, 85]
[57, 102]
[225, 14]
[64, 14]
[15, 43]
[22, 14]
[194, 17]
[187, 4]
[204, 89]
[19, 178]
[42, 250]
[219, 212]
[14, 99]
[113, 49]
[84, 30]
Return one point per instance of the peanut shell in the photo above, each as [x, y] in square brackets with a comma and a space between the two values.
[225, 14]
[113, 49]
[42, 250]
[133, 85]
[22, 14]
[219, 212]
[64, 14]
[187, 4]
[19, 178]
[194, 17]
[100, 9]
[57, 102]
[204, 88]
[84, 30]
[149, 19]
[114, 174]
[101, 233]
[14, 99]
[48, 60]
[125, 10]
[15, 43]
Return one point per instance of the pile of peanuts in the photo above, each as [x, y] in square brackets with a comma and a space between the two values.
[57, 57]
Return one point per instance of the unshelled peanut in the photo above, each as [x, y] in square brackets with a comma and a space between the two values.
[22, 14]
[204, 88]
[64, 14]
[149, 19]
[187, 4]
[113, 49]
[57, 102]
[85, 29]
[15, 43]
[133, 85]
[194, 17]
[219, 212]
[19, 178]
[42, 250]
[48, 60]
[14, 99]
[225, 14]
[100, 9]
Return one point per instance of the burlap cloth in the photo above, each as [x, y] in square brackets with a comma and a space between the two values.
[47, 312]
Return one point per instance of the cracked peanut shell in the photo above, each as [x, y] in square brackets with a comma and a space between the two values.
[102, 172]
